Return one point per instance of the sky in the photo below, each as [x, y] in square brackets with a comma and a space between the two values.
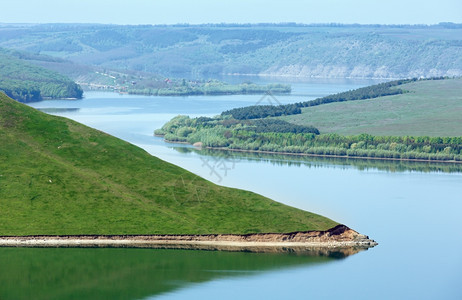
[234, 11]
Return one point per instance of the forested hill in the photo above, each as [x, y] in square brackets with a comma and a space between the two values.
[274, 49]
[27, 82]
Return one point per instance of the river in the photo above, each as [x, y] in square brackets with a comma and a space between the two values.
[412, 212]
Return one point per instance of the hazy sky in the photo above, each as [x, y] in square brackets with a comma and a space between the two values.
[234, 11]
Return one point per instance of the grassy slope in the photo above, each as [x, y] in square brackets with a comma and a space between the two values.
[60, 177]
[432, 108]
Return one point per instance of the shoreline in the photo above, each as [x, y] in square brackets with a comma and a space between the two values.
[340, 238]
[337, 156]
[315, 155]
[280, 75]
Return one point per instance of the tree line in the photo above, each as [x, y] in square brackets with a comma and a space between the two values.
[369, 92]
[214, 87]
[361, 164]
[262, 111]
[271, 135]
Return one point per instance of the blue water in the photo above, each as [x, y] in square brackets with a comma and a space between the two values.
[413, 215]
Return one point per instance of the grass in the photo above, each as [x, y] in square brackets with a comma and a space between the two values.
[431, 108]
[58, 177]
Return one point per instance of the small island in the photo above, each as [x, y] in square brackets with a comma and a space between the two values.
[183, 87]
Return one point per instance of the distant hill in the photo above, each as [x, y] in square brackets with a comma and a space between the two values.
[326, 50]
[126, 81]
[59, 177]
[26, 82]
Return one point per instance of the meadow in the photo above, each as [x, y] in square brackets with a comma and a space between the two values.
[429, 108]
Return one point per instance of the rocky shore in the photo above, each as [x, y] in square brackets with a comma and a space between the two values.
[338, 238]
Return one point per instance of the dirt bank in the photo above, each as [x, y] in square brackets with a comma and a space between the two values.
[338, 238]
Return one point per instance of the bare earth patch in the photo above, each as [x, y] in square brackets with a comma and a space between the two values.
[339, 237]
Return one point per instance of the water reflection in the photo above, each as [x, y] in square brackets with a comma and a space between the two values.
[313, 161]
[119, 273]
[59, 110]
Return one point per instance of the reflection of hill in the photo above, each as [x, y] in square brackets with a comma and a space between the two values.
[58, 110]
[312, 161]
[107, 273]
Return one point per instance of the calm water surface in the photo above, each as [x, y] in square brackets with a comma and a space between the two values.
[414, 213]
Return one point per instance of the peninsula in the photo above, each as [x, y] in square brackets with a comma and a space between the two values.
[62, 181]
[397, 120]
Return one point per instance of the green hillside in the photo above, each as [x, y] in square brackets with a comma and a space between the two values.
[60, 177]
[430, 108]
[26, 82]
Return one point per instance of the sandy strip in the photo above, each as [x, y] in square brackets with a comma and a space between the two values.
[334, 248]
[338, 237]
[74, 242]
[335, 238]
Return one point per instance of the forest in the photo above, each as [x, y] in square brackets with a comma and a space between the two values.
[219, 132]
[260, 135]
[262, 111]
[26, 82]
[204, 51]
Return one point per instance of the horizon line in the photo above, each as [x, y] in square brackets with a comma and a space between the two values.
[290, 24]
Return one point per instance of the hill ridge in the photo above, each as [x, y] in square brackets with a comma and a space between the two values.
[321, 50]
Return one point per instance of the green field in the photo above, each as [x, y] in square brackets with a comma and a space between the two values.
[431, 108]
[59, 177]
